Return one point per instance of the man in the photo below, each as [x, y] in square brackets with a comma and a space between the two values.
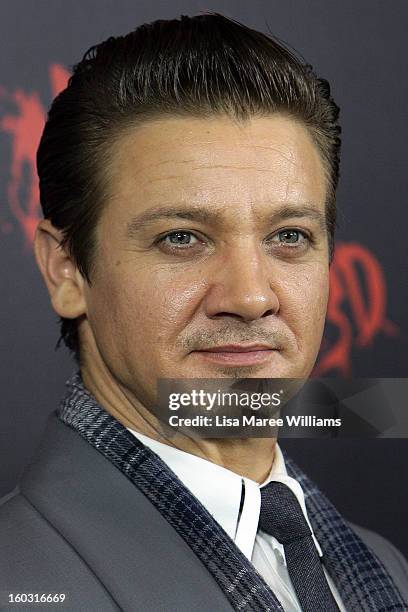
[187, 177]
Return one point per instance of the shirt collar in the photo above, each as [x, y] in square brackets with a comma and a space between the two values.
[220, 491]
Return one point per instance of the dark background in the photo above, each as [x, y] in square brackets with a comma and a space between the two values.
[360, 48]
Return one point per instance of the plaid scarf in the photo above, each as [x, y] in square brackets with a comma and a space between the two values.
[361, 579]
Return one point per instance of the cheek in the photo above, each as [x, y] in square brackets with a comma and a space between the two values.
[175, 298]
[148, 306]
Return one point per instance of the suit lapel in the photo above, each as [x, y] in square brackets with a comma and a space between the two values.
[237, 578]
[138, 559]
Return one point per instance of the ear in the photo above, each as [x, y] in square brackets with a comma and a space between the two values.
[64, 281]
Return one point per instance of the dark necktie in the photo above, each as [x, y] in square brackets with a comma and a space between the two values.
[282, 517]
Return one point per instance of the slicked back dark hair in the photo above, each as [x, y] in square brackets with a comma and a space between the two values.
[193, 66]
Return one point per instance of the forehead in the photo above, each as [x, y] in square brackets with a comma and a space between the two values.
[260, 162]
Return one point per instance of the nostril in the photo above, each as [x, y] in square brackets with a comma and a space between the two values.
[228, 314]
[268, 313]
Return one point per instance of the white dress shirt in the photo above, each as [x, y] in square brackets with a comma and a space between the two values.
[220, 491]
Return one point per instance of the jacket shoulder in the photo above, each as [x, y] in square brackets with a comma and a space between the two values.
[35, 558]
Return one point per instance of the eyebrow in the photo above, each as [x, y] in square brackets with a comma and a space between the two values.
[215, 216]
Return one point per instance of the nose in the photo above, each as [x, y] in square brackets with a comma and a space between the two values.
[242, 287]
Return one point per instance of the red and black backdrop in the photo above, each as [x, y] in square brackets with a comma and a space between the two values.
[360, 48]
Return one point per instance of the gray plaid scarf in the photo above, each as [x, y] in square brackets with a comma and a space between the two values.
[361, 579]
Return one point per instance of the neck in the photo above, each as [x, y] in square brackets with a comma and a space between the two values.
[248, 457]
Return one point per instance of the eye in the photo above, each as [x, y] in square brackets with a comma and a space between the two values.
[179, 240]
[291, 238]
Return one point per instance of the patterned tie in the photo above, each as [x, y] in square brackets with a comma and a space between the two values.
[282, 517]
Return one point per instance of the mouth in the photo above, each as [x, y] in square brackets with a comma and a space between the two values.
[237, 355]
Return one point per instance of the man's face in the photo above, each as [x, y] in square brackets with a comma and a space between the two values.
[214, 236]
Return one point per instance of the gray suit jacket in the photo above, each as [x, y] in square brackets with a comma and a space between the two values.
[77, 525]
